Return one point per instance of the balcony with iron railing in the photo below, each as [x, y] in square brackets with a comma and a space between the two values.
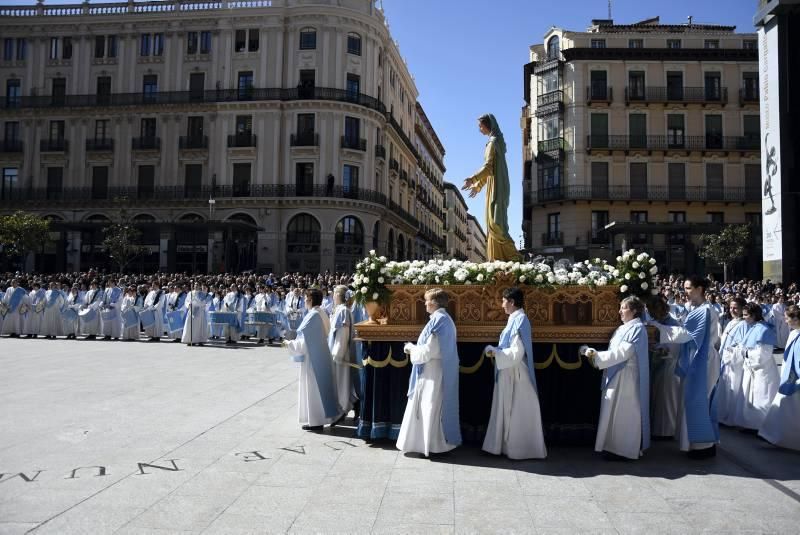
[146, 143]
[599, 94]
[241, 140]
[709, 142]
[650, 193]
[551, 145]
[100, 145]
[749, 95]
[54, 145]
[598, 237]
[11, 145]
[552, 97]
[304, 139]
[193, 142]
[394, 165]
[354, 143]
[552, 238]
[685, 95]
[380, 152]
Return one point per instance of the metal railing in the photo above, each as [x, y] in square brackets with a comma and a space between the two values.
[749, 96]
[146, 143]
[242, 140]
[349, 142]
[552, 238]
[550, 145]
[677, 94]
[708, 142]
[53, 145]
[380, 151]
[651, 193]
[550, 98]
[599, 93]
[100, 145]
[11, 145]
[304, 139]
[193, 142]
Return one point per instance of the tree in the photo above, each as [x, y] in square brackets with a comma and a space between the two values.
[21, 233]
[723, 248]
[122, 242]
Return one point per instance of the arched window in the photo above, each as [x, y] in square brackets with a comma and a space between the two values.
[92, 253]
[308, 39]
[376, 230]
[303, 244]
[354, 44]
[191, 244]
[390, 245]
[410, 250]
[401, 247]
[349, 244]
[241, 243]
[553, 48]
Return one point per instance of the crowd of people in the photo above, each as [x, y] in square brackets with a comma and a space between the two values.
[712, 364]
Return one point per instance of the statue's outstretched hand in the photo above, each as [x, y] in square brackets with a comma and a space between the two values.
[467, 184]
[473, 192]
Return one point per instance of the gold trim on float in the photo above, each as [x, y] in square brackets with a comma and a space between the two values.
[369, 361]
[469, 370]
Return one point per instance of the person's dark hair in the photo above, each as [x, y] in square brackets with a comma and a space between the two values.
[739, 301]
[485, 121]
[516, 295]
[793, 312]
[635, 304]
[315, 296]
[658, 308]
[754, 311]
[697, 280]
[438, 296]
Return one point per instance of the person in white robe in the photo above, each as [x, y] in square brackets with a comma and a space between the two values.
[195, 330]
[760, 377]
[342, 346]
[110, 319]
[174, 307]
[779, 321]
[698, 367]
[54, 301]
[781, 425]
[295, 309]
[130, 330]
[248, 305]
[431, 422]
[233, 302]
[89, 314]
[154, 302]
[69, 316]
[623, 429]
[317, 404]
[327, 302]
[33, 319]
[729, 387]
[15, 305]
[261, 304]
[216, 330]
[515, 423]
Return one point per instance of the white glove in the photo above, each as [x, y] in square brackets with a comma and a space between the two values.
[408, 347]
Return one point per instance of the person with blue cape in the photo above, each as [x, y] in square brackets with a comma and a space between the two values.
[195, 328]
[317, 404]
[781, 426]
[130, 315]
[493, 176]
[342, 346]
[623, 429]
[152, 314]
[665, 386]
[515, 423]
[233, 302]
[69, 314]
[15, 305]
[54, 301]
[431, 421]
[732, 368]
[754, 341]
[89, 315]
[33, 319]
[110, 318]
[698, 368]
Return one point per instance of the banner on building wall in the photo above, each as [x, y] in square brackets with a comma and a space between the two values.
[772, 255]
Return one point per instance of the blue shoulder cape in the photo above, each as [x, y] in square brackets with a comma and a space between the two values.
[342, 317]
[521, 326]
[790, 371]
[319, 360]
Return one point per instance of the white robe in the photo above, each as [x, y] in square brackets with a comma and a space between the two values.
[781, 425]
[515, 424]
[619, 429]
[112, 327]
[93, 301]
[309, 407]
[342, 376]
[231, 304]
[34, 317]
[760, 382]
[730, 379]
[52, 324]
[666, 388]
[679, 335]
[13, 322]
[260, 304]
[132, 332]
[157, 329]
[422, 430]
[195, 328]
[781, 327]
[72, 327]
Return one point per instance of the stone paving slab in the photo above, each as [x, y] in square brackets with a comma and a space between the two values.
[136, 438]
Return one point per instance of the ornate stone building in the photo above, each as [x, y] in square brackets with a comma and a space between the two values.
[476, 240]
[652, 127]
[456, 228]
[268, 135]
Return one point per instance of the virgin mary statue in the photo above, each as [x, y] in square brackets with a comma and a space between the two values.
[494, 176]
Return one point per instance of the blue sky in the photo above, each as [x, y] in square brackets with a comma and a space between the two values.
[467, 56]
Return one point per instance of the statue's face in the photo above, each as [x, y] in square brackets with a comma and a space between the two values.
[484, 130]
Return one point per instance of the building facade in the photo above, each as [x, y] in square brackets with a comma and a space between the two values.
[457, 226]
[476, 240]
[643, 135]
[270, 135]
[428, 182]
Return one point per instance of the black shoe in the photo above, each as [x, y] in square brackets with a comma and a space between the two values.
[28, 336]
[313, 428]
[608, 456]
[705, 453]
[201, 344]
[90, 337]
[13, 335]
[154, 339]
[36, 336]
[106, 338]
[230, 343]
[260, 340]
[176, 341]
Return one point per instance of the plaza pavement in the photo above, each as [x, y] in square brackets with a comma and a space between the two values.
[137, 438]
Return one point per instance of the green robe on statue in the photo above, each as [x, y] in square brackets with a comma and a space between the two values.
[494, 176]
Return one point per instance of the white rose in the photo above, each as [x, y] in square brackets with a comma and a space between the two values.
[539, 278]
[365, 280]
[623, 288]
[382, 259]
[642, 275]
[602, 281]
[583, 281]
[372, 252]
[480, 277]
[619, 259]
[654, 291]
[375, 296]
[373, 266]
[364, 290]
[522, 278]
[652, 261]
[380, 280]
[627, 276]
[615, 273]
[551, 278]
[635, 265]
[644, 286]
[653, 270]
